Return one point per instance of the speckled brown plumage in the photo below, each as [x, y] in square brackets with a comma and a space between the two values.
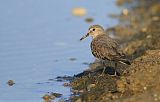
[103, 47]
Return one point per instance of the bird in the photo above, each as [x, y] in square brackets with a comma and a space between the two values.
[104, 47]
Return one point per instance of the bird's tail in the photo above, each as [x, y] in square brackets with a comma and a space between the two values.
[125, 61]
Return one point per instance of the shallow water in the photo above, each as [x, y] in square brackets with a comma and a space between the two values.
[37, 40]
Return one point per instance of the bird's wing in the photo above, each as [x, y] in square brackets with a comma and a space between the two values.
[108, 49]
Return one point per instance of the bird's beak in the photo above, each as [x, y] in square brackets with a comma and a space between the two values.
[84, 36]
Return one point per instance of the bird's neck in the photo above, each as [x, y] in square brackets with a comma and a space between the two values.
[97, 35]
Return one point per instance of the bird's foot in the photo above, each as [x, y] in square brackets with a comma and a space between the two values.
[115, 74]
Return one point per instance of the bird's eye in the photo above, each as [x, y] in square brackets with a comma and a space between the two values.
[93, 29]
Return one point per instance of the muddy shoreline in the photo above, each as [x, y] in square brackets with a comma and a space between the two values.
[139, 33]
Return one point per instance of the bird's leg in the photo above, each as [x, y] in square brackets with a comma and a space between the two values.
[115, 72]
[104, 68]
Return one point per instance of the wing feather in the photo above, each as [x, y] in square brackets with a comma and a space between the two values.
[106, 48]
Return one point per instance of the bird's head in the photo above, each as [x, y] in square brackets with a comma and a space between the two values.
[94, 31]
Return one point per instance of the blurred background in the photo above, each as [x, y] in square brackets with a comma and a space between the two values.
[39, 40]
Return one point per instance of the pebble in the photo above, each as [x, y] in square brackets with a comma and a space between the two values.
[57, 95]
[125, 12]
[79, 11]
[145, 88]
[10, 82]
[66, 84]
[144, 29]
[89, 20]
[72, 59]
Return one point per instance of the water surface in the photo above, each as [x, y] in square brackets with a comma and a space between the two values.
[37, 39]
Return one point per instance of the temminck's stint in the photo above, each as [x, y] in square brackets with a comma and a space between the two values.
[103, 47]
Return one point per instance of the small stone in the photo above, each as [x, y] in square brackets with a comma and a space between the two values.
[155, 18]
[89, 20]
[155, 95]
[66, 84]
[144, 29]
[79, 11]
[10, 82]
[57, 95]
[46, 97]
[85, 63]
[155, 99]
[81, 91]
[52, 97]
[145, 88]
[149, 36]
[125, 12]
[72, 59]
[114, 96]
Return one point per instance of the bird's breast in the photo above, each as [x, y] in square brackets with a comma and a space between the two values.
[94, 50]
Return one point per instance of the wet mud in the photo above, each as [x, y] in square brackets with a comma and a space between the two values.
[139, 34]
